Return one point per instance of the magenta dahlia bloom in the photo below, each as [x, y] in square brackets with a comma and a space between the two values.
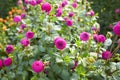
[56, 39]
[39, 1]
[64, 3]
[71, 14]
[106, 55]
[23, 15]
[116, 29]
[37, 66]
[92, 13]
[87, 14]
[17, 18]
[94, 28]
[22, 26]
[25, 42]
[101, 38]
[117, 11]
[84, 36]
[60, 43]
[19, 2]
[33, 2]
[30, 34]
[1, 63]
[26, 1]
[9, 48]
[7, 62]
[95, 37]
[74, 5]
[69, 22]
[46, 7]
[65, 18]
[59, 12]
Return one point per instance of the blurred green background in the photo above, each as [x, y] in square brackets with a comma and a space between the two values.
[106, 12]
[5, 6]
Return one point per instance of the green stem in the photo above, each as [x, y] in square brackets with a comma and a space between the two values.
[89, 43]
[61, 52]
[49, 30]
[115, 50]
[113, 43]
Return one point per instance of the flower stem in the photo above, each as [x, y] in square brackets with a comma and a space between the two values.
[49, 30]
[115, 50]
[113, 43]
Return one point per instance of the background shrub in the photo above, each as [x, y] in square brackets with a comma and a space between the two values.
[5, 6]
[106, 12]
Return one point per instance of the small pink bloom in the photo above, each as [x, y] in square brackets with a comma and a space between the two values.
[25, 42]
[30, 34]
[64, 3]
[23, 15]
[9, 48]
[26, 1]
[1, 63]
[87, 14]
[33, 2]
[101, 38]
[37, 66]
[7, 62]
[56, 39]
[95, 37]
[117, 11]
[60, 43]
[65, 18]
[59, 12]
[39, 1]
[94, 28]
[17, 19]
[84, 36]
[19, 2]
[46, 7]
[106, 55]
[23, 8]
[92, 13]
[74, 5]
[116, 29]
[69, 22]
[22, 26]
[71, 14]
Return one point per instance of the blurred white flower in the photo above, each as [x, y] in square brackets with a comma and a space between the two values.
[108, 42]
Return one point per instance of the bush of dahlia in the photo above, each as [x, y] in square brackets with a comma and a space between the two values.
[58, 40]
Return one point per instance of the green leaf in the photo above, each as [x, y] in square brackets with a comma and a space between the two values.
[65, 75]
[4, 78]
[42, 49]
[11, 75]
[67, 59]
[34, 78]
[118, 65]
[84, 54]
[74, 77]
[78, 43]
[81, 70]
[56, 68]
